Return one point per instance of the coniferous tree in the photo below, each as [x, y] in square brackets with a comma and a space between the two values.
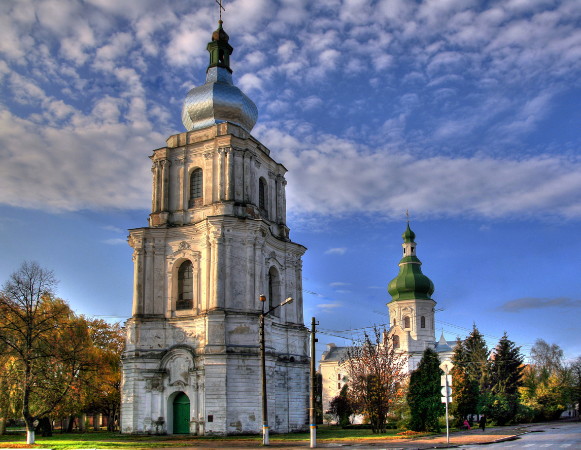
[424, 394]
[464, 389]
[342, 407]
[469, 375]
[505, 377]
[476, 358]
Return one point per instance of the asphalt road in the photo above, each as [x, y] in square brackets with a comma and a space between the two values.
[564, 435]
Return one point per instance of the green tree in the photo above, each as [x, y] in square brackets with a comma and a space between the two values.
[466, 392]
[576, 379]
[423, 396]
[342, 407]
[505, 378]
[547, 383]
[476, 359]
[46, 341]
[376, 372]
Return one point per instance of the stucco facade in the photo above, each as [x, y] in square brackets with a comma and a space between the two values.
[216, 241]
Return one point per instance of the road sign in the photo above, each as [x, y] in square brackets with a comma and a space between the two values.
[444, 399]
[443, 380]
[448, 390]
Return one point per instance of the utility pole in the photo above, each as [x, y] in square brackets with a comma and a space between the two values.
[265, 434]
[312, 409]
[265, 430]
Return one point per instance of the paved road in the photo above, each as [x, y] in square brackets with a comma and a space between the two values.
[565, 435]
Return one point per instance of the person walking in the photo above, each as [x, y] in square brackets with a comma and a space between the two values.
[482, 422]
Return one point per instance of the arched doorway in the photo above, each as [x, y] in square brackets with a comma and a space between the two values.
[181, 414]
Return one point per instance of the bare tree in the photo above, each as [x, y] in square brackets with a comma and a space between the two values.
[376, 371]
[44, 338]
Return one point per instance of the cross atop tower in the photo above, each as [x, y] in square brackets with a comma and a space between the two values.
[221, 8]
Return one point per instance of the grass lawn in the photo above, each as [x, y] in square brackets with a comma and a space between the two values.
[115, 440]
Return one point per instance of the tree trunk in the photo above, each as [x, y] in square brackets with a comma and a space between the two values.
[97, 422]
[83, 423]
[45, 427]
[3, 425]
[71, 424]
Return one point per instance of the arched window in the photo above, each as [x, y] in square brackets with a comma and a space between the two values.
[274, 296]
[423, 322]
[406, 322]
[262, 196]
[185, 298]
[394, 322]
[395, 341]
[196, 185]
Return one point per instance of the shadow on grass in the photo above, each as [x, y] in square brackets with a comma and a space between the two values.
[109, 440]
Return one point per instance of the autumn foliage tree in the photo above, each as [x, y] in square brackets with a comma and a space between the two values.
[46, 343]
[376, 373]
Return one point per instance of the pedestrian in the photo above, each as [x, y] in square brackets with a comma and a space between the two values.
[483, 422]
[466, 425]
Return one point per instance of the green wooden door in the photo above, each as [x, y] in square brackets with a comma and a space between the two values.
[181, 414]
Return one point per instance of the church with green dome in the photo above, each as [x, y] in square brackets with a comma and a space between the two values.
[412, 308]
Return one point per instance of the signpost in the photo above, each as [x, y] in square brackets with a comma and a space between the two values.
[446, 383]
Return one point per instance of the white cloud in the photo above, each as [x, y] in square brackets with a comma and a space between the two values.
[336, 251]
[386, 183]
[339, 284]
[329, 305]
[249, 82]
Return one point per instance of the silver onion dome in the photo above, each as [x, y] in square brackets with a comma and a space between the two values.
[218, 100]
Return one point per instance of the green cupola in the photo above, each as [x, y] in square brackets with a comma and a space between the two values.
[410, 283]
[219, 49]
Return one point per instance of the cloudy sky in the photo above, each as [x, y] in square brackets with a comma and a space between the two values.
[464, 112]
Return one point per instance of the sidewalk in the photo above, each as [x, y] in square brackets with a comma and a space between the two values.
[470, 437]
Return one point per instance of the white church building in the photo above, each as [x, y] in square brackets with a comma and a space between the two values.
[216, 241]
[411, 326]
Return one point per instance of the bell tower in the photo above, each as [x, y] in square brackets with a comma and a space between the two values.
[216, 240]
[411, 309]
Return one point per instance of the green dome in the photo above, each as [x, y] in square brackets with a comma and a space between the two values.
[410, 283]
[408, 235]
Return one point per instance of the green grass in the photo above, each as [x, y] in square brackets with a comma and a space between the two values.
[115, 440]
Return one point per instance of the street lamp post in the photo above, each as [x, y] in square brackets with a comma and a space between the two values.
[265, 431]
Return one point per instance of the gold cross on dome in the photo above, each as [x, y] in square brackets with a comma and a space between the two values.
[221, 8]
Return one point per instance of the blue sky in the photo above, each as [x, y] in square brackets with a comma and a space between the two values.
[466, 113]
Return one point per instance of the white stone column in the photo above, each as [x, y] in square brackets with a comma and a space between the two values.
[227, 269]
[155, 187]
[158, 286]
[271, 197]
[238, 174]
[208, 264]
[228, 153]
[209, 178]
[283, 202]
[221, 174]
[148, 282]
[181, 182]
[165, 164]
[246, 179]
[137, 279]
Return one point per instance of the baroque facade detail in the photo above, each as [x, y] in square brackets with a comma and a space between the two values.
[216, 240]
